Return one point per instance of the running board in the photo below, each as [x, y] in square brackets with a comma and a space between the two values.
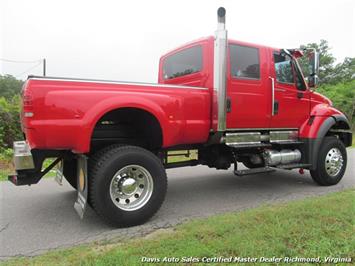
[253, 171]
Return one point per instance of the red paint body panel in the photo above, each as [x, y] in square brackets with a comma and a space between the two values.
[66, 111]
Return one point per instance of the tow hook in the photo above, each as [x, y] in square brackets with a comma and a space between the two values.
[301, 171]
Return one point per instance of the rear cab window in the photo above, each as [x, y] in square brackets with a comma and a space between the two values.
[182, 63]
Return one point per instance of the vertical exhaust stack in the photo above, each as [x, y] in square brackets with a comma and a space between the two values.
[219, 73]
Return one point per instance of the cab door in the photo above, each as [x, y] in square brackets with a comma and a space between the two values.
[291, 100]
[248, 87]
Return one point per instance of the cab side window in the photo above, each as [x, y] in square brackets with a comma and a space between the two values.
[183, 63]
[283, 68]
[244, 62]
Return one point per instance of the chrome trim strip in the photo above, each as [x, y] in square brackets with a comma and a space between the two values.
[118, 82]
[242, 138]
[283, 136]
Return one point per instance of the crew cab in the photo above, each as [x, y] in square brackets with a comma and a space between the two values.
[225, 100]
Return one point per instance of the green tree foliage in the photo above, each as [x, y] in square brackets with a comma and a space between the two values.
[343, 72]
[336, 81]
[9, 86]
[328, 72]
[10, 129]
[326, 60]
[343, 97]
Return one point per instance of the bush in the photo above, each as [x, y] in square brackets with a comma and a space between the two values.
[10, 129]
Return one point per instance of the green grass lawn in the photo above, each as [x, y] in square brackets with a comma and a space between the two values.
[314, 227]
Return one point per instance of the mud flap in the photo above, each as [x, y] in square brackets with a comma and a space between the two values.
[82, 186]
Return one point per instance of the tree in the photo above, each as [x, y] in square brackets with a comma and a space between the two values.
[336, 81]
[9, 86]
[343, 72]
[342, 96]
[326, 60]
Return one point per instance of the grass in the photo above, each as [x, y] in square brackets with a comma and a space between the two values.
[314, 227]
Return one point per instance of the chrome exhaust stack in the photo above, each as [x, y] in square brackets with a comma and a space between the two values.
[219, 73]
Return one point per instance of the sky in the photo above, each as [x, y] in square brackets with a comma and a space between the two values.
[123, 40]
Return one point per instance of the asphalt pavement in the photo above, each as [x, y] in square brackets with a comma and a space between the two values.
[41, 217]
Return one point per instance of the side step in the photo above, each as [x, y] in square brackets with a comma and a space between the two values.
[253, 171]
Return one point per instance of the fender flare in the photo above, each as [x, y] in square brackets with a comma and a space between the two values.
[330, 122]
[103, 107]
[315, 144]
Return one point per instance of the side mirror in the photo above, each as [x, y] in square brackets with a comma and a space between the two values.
[313, 79]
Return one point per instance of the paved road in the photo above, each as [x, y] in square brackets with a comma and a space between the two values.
[39, 218]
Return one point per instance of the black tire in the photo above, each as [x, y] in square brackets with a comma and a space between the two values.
[320, 174]
[105, 164]
[70, 172]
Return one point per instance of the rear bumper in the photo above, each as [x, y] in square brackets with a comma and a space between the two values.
[28, 163]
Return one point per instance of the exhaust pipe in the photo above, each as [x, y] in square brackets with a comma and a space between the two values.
[219, 73]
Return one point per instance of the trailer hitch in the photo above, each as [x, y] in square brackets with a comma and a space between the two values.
[31, 176]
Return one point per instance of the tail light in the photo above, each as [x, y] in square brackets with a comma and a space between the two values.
[27, 99]
[27, 104]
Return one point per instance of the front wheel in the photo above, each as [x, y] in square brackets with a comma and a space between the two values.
[331, 162]
[127, 184]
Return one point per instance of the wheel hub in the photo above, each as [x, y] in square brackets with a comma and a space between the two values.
[334, 162]
[131, 187]
[128, 186]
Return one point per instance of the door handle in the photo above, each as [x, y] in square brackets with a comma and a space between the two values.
[278, 89]
[229, 104]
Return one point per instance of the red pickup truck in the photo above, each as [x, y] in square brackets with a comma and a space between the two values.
[225, 100]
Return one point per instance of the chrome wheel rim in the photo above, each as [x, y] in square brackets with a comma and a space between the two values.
[131, 187]
[334, 162]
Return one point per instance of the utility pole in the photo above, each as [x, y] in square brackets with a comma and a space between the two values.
[44, 67]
